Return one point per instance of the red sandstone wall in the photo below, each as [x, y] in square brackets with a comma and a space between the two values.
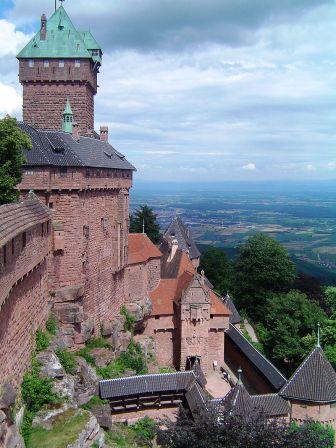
[216, 347]
[46, 89]
[24, 259]
[324, 413]
[164, 334]
[154, 273]
[137, 281]
[24, 311]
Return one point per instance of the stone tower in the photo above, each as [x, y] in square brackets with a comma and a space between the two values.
[59, 63]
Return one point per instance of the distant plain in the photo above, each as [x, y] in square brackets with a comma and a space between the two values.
[301, 216]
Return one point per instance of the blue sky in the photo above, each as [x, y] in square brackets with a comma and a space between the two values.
[206, 90]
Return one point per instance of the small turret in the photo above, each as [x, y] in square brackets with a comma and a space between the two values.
[67, 118]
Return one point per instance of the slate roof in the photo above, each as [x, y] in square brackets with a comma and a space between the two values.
[144, 384]
[51, 148]
[235, 317]
[62, 41]
[243, 403]
[18, 217]
[238, 399]
[141, 249]
[196, 398]
[314, 380]
[182, 234]
[271, 404]
[273, 375]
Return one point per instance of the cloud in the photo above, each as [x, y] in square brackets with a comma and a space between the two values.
[169, 24]
[12, 39]
[310, 167]
[10, 102]
[249, 167]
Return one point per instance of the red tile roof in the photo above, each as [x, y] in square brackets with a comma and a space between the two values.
[141, 249]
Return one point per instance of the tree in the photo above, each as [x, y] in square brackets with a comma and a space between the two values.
[217, 268]
[263, 266]
[145, 219]
[330, 298]
[12, 142]
[290, 317]
[327, 339]
[215, 428]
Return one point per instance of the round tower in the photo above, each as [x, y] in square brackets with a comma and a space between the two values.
[59, 63]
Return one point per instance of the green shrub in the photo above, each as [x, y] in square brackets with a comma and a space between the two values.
[95, 400]
[166, 369]
[51, 324]
[144, 429]
[85, 353]
[42, 340]
[36, 392]
[97, 343]
[129, 319]
[68, 361]
[132, 359]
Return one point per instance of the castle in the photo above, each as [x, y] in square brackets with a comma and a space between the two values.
[66, 247]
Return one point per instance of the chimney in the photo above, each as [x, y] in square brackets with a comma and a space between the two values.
[173, 249]
[43, 30]
[202, 277]
[75, 131]
[104, 133]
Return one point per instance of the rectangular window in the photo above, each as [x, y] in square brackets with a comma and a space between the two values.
[5, 254]
[61, 63]
[29, 172]
[77, 63]
[51, 205]
[63, 171]
[13, 246]
[24, 240]
[46, 63]
[31, 63]
[87, 172]
[42, 229]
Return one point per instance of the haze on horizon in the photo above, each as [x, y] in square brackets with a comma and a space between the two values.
[203, 90]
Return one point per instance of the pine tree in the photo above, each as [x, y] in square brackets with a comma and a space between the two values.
[145, 220]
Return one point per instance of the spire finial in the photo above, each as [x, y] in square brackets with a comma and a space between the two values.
[67, 118]
[318, 335]
[143, 226]
[239, 382]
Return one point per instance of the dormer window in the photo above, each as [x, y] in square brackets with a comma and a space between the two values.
[77, 63]
[31, 63]
[61, 63]
[46, 63]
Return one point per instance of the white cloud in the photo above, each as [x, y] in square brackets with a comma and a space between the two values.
[11, 101]
[310, 167]
[11, 39]
[249, 167]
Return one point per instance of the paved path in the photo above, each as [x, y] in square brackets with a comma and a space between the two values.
[216, 385]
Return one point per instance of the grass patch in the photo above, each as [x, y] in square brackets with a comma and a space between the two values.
[51, 324]
[166, 369]
[132, 359]
[67, 360]
[139, 435]
[95, 401]
[85, 353]
[36, 392]
[64, 432]
[97, 343]
[129, 319]
[42, 340]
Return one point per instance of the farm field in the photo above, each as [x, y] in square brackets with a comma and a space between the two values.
[301, 217]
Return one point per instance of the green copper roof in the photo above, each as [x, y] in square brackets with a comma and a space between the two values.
[68, 110]
[62, 41]
[67, 118]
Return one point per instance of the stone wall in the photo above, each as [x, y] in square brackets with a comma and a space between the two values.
[164, 334]
[324, 412]
[154, 273]
[24, 311]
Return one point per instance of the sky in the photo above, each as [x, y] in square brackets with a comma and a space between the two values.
[203, 90]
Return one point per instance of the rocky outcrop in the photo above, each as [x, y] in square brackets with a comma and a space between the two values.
[9, 434]
[50, 365]
[139, 309]
[91, 435]
[102, 356]
[102, 412]
[86, 382]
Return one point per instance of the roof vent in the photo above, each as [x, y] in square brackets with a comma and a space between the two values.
[56, 147]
